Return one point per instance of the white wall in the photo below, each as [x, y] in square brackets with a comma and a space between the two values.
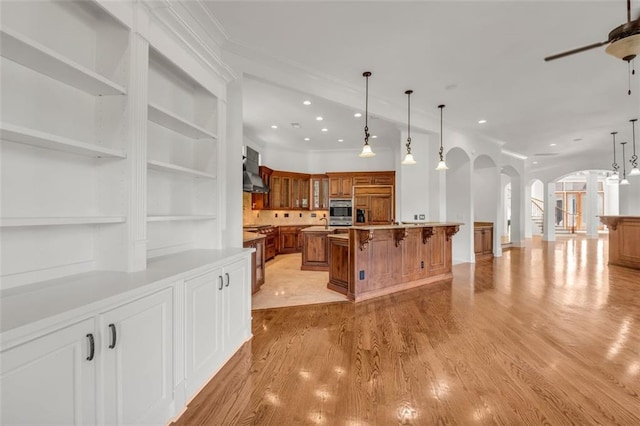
[459, 203]
[485, 190]
[412, 181]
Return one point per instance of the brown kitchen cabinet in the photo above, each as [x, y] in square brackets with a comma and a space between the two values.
[291, 239]
[338, 262]
[340, 185]
[483, 240]
[257, 261]
[319, 192]
[376, 202]
[315, 248]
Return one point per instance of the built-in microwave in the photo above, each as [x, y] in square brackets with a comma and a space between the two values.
[340, 212]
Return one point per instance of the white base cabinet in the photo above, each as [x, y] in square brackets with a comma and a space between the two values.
[128, 359]
[51, 380]
[217, 321]
[137, 361]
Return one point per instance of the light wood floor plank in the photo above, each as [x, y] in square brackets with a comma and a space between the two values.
[546, 334]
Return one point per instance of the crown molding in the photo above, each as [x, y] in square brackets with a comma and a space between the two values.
[177, 17]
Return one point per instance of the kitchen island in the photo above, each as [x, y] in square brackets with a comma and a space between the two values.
[624, 234]
[383, 259]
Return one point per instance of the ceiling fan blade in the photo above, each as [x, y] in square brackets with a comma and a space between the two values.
[578, 50]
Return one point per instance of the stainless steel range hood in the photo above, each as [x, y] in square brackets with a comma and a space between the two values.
[251, 181]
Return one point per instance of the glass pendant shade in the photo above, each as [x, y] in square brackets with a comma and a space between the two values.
[366, 151]
[624, 182]
[408, 159]
[634, 172]
[442, 166]
[614, 176]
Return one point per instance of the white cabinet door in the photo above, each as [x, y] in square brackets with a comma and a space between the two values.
[204, 341]
[51, 379]
[236, 305]
[137, 348]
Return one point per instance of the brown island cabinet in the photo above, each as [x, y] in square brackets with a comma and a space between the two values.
[624, 237]
[315, 246]
[376, 260]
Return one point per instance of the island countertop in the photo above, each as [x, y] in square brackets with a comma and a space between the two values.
[408, 225]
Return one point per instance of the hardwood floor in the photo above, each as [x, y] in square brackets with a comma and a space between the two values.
[546, 334]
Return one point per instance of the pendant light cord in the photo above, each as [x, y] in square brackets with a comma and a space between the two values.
[615, 165]
[634, 157]
[366, 74]
[624, 167]
[409, 92]
[441, 149]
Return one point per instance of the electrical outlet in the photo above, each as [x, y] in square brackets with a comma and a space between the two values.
[422, 264]
[313, 215]
[276, 214]
[422, 217]
[415, 217]
[286, 215]
[362, 275]
[300, 214]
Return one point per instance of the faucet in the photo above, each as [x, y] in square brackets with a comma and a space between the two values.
[326, 222]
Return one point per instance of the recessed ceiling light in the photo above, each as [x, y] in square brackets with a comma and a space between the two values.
[319, 118]
[535, 162]
[374, 137]
[274, 126]
[295, 125]
[577, 139]
[324, 129]
[552, 144]
[340, 140]
[357, 115]
[307, 139]
[482, 121]
[307, 102]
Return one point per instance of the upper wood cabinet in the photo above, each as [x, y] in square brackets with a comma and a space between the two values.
[260, 201]
[319, 192]
[340, 185]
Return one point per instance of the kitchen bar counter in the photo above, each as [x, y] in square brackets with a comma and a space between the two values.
[624, 235]
[383, 259]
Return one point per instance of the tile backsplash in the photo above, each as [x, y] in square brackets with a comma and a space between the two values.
[278, 217]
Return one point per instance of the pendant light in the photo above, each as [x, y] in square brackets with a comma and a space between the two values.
[635, 171]
[441, 164]
[366, 148]
[624, 180]
[408, 159]
[615, 167]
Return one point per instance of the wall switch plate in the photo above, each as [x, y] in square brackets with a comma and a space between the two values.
[361, 275]
[286, 215]
[415, 217]
[422, 217]
[313, 215]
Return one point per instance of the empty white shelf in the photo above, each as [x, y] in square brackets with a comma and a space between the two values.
[172, 168]
[179, 125]
[46, 61]
[40, 139]
[173, 218]
[58, 221]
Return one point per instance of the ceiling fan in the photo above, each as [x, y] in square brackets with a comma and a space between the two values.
[623, 41]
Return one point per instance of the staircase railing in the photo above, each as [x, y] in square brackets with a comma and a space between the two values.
[537, 210]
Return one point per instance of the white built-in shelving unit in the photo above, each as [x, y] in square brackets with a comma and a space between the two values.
[182, 152]
[64, 76]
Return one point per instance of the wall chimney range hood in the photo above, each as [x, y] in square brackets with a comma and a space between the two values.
[251, 181]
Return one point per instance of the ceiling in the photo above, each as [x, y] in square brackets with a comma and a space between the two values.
[483, 59]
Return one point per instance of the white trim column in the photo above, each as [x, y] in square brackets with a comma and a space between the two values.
[591, 205]
[549, 233]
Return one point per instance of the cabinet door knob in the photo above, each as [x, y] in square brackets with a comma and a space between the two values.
[92, 347]
[228, 279]
[220, 282]
[113, 336]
